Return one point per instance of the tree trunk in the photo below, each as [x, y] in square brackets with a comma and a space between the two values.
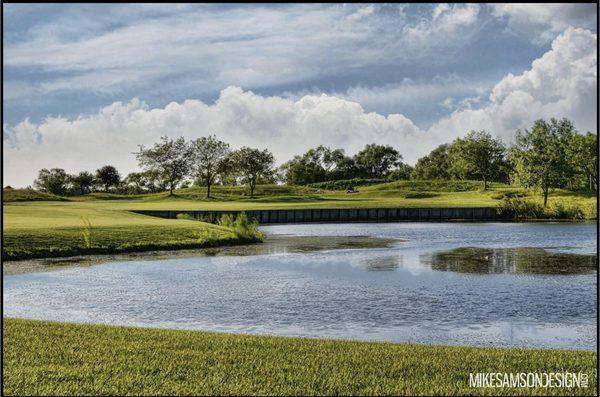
[170, 189]
[251, 190]
[545, 196]
[484, 183]
[208, 186]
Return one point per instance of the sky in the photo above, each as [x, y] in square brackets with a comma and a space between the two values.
[85, 84]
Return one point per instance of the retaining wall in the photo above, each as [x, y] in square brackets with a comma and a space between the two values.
[480, 214]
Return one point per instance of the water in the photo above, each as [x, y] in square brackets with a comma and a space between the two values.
[410, 284]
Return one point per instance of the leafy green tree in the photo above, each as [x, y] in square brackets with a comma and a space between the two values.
[169, 159]
[376, 160]
[82, 183]
[108, 176]
[435, 165]
[252, 165]
[583, 155]
[539, 155]
[316, 165]
[208, 159]
[401, 173]
[55, 181]
[478, 155]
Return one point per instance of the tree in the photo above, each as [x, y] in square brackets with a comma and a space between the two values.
[583, 155]
[478, 154]
[55, 181]
[209, 156]
[82, 183]
[169, 158]
[376, 160]
[401, 173]
[252, 165]
[539, 155]
[316, 165]
[435, 165]
[108, 176]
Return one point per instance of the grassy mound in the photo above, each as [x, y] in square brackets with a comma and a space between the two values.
[15, 195]
[45, 358]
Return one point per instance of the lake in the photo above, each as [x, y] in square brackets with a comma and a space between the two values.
[480, 284]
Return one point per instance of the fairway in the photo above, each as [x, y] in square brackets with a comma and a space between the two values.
[64, 359]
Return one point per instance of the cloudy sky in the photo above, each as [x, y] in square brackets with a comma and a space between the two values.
[85, 84]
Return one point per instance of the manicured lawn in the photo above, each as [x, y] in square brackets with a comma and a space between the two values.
[54, 228]
[46, 229]
[59, 358]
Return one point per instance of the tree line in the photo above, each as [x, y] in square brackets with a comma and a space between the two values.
[550, 154]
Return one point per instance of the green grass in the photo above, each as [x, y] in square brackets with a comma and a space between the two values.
[59, 358]
[54, 228]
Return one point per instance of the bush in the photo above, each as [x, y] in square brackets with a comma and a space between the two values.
[517, 208]
[520, 209]
[559, 210]
[344, 184]
[242, 226]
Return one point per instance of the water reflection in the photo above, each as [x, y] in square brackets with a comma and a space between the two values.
[273, 244]
[383, 263]
[510, 260]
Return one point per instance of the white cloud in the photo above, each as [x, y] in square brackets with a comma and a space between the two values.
[446, 21]
[542, 22]
[560, 83]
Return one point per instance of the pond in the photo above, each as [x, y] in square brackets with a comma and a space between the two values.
[481, 284]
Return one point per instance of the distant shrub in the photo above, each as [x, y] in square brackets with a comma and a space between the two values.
[344, 184]
[508, 194]
[431, 186]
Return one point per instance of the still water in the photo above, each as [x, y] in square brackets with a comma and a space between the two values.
[486, 284]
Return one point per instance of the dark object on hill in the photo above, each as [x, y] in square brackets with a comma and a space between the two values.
[351, 190]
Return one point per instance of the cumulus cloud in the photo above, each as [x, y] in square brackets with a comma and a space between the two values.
[561, 83]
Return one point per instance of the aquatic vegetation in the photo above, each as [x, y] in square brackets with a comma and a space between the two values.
[242, 226]
[510, 260]
[86, 232]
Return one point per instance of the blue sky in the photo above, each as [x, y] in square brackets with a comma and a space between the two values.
[399, 72]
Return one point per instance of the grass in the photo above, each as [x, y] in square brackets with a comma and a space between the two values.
[46, 358]
[52, 229]
[34, 229]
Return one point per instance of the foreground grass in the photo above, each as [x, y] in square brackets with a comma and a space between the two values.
[58, 358]
[34, 229]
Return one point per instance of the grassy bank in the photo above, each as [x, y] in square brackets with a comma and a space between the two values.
[53, 229]
[44, 227]
[58, 358]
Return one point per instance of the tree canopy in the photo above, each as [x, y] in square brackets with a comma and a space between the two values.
[169, 158]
